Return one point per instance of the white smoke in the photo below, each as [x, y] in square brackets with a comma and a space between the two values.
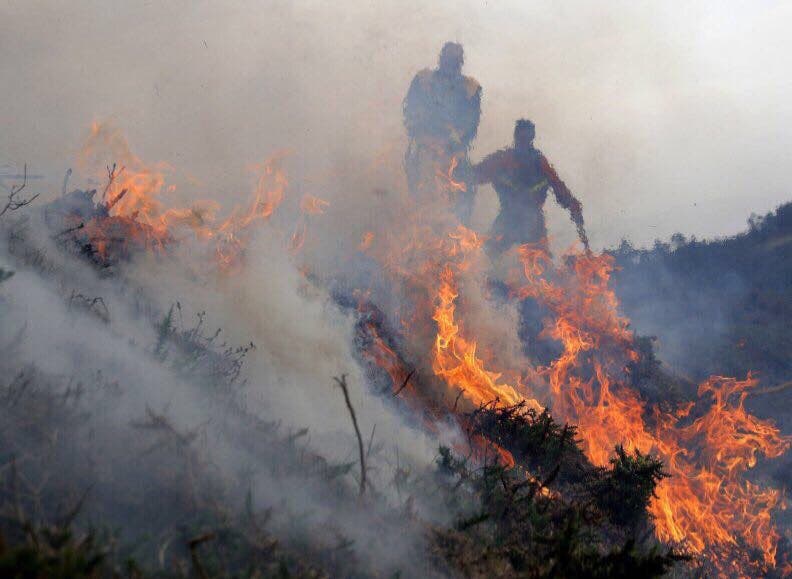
[302, 341]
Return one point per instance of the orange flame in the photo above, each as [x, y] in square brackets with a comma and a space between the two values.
[707, 457]
[447, 177]
[454, 357]
[705, 504]
[233, 235]
[136, 212]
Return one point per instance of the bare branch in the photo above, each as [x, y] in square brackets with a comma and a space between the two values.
[69, 230]
[111, 177]
[13, 203]
[456, 401]
[110, 204]
[343, 385]
[404, 384]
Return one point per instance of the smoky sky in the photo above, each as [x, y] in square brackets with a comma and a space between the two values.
[661, 117]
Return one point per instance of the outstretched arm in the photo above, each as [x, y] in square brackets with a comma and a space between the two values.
[565, 199]
[489, 167]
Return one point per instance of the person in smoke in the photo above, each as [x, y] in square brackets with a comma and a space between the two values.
[522, 176]
[441, 113]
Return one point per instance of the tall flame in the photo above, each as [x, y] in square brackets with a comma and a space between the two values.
[454, 357]
[705, 504]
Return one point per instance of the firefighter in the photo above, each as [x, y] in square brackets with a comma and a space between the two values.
[522, 177]
[441, 114]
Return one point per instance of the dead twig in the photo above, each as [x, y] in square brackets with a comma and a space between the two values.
[69, 230]
[456, 400]
[344, 388]
[13, 203]
[110, 204]
[404, 384]
[111, 177]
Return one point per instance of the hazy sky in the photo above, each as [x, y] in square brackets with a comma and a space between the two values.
[661, 116]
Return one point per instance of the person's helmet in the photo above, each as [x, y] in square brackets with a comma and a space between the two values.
[452, 56]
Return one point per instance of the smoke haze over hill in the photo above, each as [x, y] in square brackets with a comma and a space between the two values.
[660, 117]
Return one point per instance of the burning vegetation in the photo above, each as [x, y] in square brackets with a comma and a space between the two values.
[577, 456]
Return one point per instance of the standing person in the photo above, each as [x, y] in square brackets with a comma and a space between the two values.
[522, 177]
[441, 113]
